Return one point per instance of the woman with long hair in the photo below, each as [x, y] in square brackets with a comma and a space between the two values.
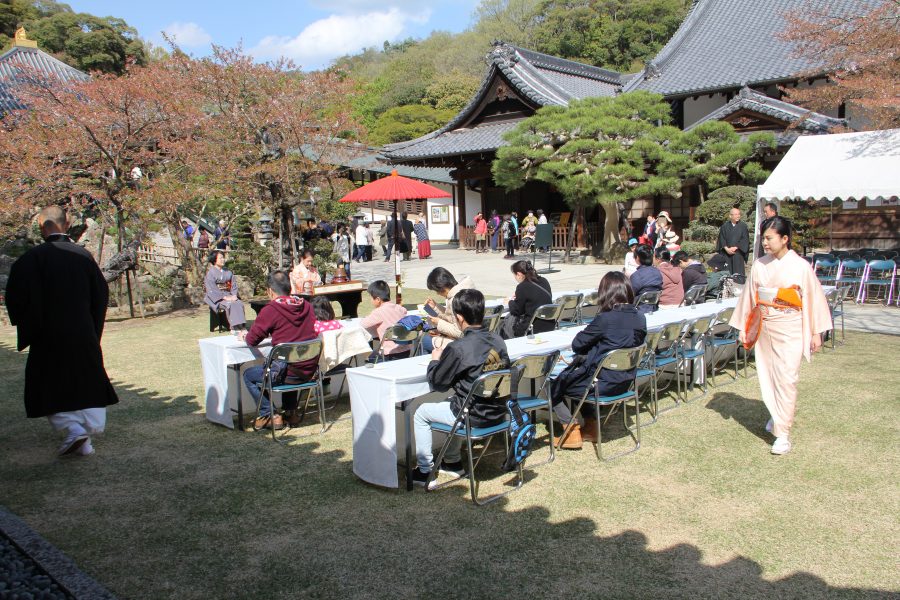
[531, 292]
[618, 324]
[785, 299]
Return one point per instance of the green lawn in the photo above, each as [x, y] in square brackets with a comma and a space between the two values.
[174, 507]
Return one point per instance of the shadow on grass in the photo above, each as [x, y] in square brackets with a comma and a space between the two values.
[182, 494]
[750, 414]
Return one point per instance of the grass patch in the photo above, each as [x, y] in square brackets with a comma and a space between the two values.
[172, 506]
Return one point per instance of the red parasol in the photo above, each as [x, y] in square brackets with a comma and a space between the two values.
[394, 188]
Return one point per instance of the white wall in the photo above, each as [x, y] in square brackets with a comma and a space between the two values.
[696, 109]
[443, 232]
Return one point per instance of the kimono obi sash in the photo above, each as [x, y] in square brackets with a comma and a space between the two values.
[780, 298]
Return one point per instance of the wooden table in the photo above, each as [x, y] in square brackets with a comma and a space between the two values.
[348, 295]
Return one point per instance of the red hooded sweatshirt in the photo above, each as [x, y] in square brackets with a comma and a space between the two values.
[286, 319]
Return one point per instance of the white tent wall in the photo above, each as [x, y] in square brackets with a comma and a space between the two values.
[837, 167]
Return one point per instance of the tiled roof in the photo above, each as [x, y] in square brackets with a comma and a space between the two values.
[727, 44]
[748, 99]
[371, 162]
[482, 138]
[540, 79]
[11, 63]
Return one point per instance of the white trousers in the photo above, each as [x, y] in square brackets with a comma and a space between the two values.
[88, 421]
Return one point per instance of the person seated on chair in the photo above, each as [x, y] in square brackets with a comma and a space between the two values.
[531, 292]
[672, 290]
[647, 278]
[385, 316]
[304, 276]
[618, 324]
[692, 271]
[456, 367]
[441, 281]
[324, 313]
[285, 319]
[222, 292]
[720, 271]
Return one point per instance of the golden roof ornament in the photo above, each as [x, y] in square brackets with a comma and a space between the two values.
[21, 39]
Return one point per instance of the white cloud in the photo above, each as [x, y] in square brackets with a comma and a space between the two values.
[337, 35]
[189, 35]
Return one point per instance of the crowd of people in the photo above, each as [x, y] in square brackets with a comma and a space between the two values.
[782, 310]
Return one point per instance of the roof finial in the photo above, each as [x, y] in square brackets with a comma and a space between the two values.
[21, 39]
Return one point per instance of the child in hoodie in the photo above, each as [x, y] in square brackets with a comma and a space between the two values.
[672, 288]
[285, 319]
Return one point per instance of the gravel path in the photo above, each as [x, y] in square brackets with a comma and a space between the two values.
[22, 579]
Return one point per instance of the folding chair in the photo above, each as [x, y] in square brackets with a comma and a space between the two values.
[665, 357]
[570, 309]
[401, 336]
[589, 307]
[722, 335]
[696, 294]
[850, 274]
[648, 298]
[495, 386]
[880, 274]
[646, 369]
[545, 312]
[625, 359]
[826, 269]
[692, 348]
[534, 367]
[492, 322]
[290, 353]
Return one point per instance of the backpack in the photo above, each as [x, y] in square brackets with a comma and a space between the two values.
[521, 435]
[414, 323]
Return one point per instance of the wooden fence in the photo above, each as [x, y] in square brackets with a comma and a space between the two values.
[467, 236]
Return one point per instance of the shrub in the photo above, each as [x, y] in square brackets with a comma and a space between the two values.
[699, 232]
[700, 249]
[714, 210]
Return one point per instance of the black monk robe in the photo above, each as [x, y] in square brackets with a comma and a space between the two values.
[56, 297]
[734, 234]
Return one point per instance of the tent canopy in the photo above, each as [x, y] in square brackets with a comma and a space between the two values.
[840, 166]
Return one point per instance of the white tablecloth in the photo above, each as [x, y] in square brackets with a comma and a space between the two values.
[224, 358]
[376, 392]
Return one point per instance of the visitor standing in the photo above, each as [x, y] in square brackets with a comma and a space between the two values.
[203, 240]
[481, 228]
[793, 313]
[508, 230]
[361, 241]
[223, 240]
[342, 245]
[734, 244]
[56, 296]
[393, 231]
[370, 242]
[424, 244]
[770, 210]
[406, 230]
[494, 230]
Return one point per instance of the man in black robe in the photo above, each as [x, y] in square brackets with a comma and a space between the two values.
[57, 297]
[734, 244]
[404, 246]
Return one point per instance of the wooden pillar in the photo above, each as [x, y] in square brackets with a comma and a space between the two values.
[459, 190]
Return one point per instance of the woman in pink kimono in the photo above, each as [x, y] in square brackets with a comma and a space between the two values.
[794, 312]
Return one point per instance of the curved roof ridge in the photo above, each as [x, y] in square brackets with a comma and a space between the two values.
[571, 67]
[751, 99]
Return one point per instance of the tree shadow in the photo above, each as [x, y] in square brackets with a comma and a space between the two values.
[751, 414]
[172, 505]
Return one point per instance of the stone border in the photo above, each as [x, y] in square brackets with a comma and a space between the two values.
[48, 557]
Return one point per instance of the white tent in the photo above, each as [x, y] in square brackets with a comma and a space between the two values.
[842, 166]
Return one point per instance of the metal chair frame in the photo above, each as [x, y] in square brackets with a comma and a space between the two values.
[590, 302]
[545, 312]
[696, 294]
[497, 385]
[290, 353]
[665, 356]
[721, 335]
[534, 367]
[888, 270]
[698, 329]
[624, 359]
[646, 368]
[492, 322]
[857, 268]
[569, 302]
[402, 336]
[648, 298]
[835, 299]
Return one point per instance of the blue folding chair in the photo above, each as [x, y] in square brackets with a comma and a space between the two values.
[494, 386]
[537, 367]
[879, 274]
[850, 274]
[826, 269]
[722, 336]
[692, 349]
[626, 359]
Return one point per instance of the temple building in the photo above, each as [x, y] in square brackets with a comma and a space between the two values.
[725, 62]
[24, 58]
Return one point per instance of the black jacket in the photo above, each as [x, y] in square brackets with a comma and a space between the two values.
[528, 297]
[692, 275]
[621, 327]
[461, 363]
[57, 296]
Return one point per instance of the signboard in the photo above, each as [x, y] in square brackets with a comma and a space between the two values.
[440, 215]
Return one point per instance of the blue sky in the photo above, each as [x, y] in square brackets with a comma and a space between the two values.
[311, 32]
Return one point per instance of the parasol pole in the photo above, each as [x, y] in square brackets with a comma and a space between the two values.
[397, 229]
